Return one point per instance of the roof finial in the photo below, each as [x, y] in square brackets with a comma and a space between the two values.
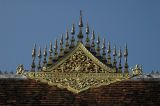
[87, 37]
[109, 56]
[34, 51]
[50, 61]
[114, 60]
[98, 48]
[45, 60]
[73, 29]
[126, 56]
[50, 50]
[80, 19]
[67, 43]
[55, 58]
[33, 58]
[104, 51]
[72, 39]
[39, 56]
[119, 65]
[93, 45]
[56, 45]
[87, 28]
[61, 47]
[80, 35]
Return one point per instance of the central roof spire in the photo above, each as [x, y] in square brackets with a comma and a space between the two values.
[80, 35]
[80, 19]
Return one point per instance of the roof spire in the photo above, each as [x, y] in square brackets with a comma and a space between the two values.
[93, 45]
[50, 61]
[67, 43]
[87, 37]
[45, 60]
[109, 57]
[72, 39]
[61, 47]
[114, 60]
[98, 48]
[104, 51]
[126, 56]
[33, 58]
[119, 65]
[55, 58]
[80, 19]
[39, 56]
[80, 35]
[73, 29]
[50, 50]
[87, 28]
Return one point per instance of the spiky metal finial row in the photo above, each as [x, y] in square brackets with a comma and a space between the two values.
[90, 47]
[104, 60]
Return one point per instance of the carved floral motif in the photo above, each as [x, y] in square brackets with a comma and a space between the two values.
[79, 62]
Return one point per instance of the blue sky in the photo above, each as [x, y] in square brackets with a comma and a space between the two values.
[25, 22]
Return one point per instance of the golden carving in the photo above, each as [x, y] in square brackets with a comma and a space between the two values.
[20, 69]
[78, 56]
[78, 71]
[137, 70]
[77, 63]
[77, 82]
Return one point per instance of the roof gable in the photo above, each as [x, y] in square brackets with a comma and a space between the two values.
[79, 59]
[75, 67]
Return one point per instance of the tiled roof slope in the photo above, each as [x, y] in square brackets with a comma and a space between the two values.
[29, 92]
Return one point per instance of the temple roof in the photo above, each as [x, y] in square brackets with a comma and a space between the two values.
[79, 65]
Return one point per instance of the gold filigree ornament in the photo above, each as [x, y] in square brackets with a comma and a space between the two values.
[78, 71]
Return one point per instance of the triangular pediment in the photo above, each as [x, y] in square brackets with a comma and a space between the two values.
[77, 71]
[80, 60]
